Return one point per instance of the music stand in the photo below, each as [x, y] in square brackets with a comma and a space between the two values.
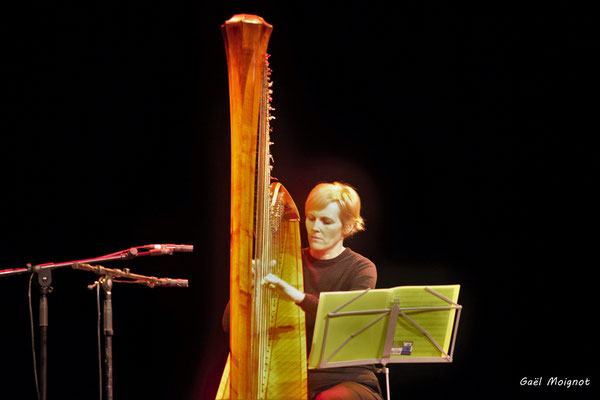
[405, 324]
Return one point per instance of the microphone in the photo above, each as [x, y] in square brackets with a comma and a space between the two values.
[170, 248]
[168, 282]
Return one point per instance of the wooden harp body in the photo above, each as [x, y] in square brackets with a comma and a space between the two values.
[267, 334]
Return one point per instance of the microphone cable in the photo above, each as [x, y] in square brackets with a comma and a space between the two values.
[98, 330]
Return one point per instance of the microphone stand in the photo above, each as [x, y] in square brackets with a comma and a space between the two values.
[107, 283]
[106, 280]
[44, 279]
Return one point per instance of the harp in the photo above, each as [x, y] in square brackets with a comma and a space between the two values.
[267, 357]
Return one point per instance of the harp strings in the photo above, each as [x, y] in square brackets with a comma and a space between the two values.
[265, 247]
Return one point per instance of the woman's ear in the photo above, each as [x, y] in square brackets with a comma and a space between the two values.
[348, 230]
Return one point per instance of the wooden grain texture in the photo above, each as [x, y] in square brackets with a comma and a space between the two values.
[278, 369]
[246, 39]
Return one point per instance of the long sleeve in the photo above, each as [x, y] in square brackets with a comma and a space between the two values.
[362, 275]
[348, 271]
[310, 304]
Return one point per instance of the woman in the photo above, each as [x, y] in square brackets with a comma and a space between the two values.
[332, 214]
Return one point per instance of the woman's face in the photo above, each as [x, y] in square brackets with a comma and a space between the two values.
[324, 229]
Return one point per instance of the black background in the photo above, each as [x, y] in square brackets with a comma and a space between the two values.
[465, 129]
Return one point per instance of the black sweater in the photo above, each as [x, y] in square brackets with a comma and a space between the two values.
[348, 271]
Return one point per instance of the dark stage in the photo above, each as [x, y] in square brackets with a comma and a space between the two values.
[465, 130]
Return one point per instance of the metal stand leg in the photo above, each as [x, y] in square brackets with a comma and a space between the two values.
[44, 280]
[43, 373]
[386, 371]
[387, 381]
[108, 334]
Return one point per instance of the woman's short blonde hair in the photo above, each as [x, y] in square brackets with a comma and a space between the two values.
[346, 197]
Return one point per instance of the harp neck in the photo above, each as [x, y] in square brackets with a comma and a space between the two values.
[246, 39]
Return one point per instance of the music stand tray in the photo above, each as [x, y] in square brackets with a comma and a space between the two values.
[404, 324]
